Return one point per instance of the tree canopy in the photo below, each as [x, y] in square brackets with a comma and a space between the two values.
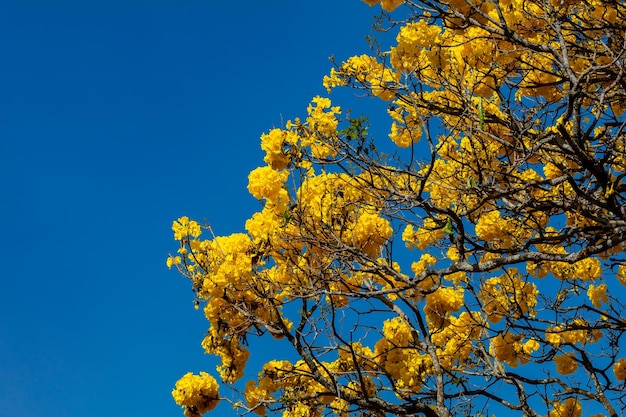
[477, 268]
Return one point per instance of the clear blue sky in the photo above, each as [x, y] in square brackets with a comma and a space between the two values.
[117, 117]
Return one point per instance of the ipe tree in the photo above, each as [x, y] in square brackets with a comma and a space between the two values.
[475, 267]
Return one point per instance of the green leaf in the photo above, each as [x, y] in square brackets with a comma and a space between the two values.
[448, 227]
[286, 218]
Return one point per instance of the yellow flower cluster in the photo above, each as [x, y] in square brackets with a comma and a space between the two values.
[173, 260]
[418, 50]
[284, 382]
[568, 408]
[388, 5]
[337, 202]
[267, 183]
[197, 394]
[508, 348]
[400, 358]
[300, 409]
[371, 232]
[222, 269]
[322, 116]
[440, 304]
[578, 331]
[420, 266]
[495, 230]
[259, 395]
[429, 233]
[391, 281]
[621, 274]
[322, 122]
[353, 356]
[508, 295]
[397, 333]
[597, 294]
[277, 144]
[264, 225]
[366, 70]
[455, 342]
[588, 269]
[619, 369]
[406, 128]
[184, 228]
[565, 364]
[232, 355]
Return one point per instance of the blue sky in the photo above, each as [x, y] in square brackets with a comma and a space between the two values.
[116, 117]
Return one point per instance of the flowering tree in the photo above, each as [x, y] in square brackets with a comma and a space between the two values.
[478, 268]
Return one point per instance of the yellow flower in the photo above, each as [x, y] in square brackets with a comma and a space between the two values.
[333, 80]
[183, 227]
[426, 235]
[530, 346]
[397, 331]
[388, 5]
[597, 295]
[273, 143]
[508, 348]
[255, 396]
[298, 409]
[418, 34]
[508, 295]
[619, 369]
[442, 302]
[492, 227]
[264, 224]
[320, 119]
[621, 274]
[402, 136]
[588, 269]
[565, 364]
[370, 232]
[198, 394]
[173, 260]
[580, 333]
[569, 408]
[233, 356]
[425, 261]
[453, 254]
[266, 182]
